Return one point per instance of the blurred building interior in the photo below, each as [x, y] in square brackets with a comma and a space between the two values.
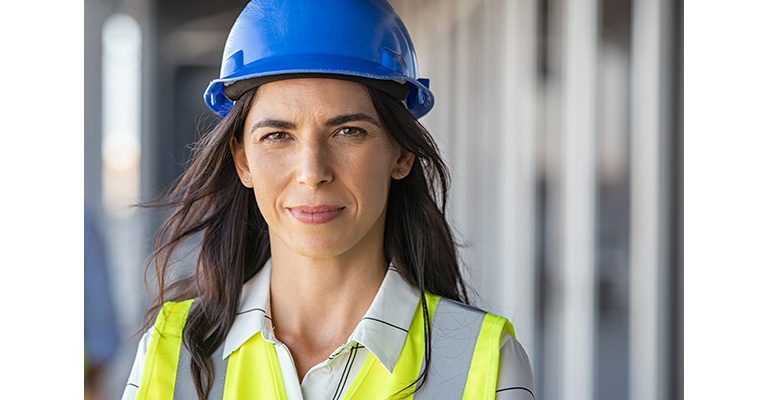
[561, 123]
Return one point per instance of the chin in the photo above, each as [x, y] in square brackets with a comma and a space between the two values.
[320, 246]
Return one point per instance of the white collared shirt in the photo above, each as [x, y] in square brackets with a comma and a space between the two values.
[381, 331]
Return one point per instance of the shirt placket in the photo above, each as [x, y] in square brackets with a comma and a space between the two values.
[328, 379]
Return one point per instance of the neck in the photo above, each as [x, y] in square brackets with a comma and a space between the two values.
[305, 291]
[317, 303]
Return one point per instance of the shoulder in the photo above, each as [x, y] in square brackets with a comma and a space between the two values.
[137, 370]
[515, 373]
[456, 312]
[168, 328]
[172, 317]
[494, 345]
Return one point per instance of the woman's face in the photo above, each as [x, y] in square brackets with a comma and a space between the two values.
[320, 163]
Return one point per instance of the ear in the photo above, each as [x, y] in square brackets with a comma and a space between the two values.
[403, 165]
[241, 162]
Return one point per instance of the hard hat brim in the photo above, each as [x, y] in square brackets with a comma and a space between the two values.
[418, 101]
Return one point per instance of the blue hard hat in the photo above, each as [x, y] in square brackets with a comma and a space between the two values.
[349, 38]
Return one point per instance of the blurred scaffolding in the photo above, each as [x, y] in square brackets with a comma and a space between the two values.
[561, 121]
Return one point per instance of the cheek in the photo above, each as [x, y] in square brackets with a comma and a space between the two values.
[372, 174]
[267, 181]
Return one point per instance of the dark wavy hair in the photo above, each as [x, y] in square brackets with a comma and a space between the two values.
[209, 200]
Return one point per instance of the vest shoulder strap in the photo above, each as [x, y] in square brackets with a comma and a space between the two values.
[160, 362]
[483, 373]
[455, 331]
[244, 374]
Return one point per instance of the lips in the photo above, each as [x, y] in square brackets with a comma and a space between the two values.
[316, 215]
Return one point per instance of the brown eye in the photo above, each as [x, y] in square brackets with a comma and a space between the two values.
[351, 131]
[276, 136]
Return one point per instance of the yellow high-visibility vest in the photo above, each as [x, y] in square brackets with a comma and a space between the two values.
[464, 361]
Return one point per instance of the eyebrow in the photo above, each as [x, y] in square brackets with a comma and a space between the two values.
[335, 121]
[343, 119]
[273, 123]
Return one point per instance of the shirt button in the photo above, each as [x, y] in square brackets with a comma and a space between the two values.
[326, 370]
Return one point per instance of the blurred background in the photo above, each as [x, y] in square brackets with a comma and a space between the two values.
[560, 119]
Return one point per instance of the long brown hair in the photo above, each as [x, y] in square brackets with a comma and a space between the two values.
[208, 199]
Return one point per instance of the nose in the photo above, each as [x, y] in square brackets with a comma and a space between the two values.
[313, 165]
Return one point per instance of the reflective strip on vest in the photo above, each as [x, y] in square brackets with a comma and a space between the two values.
[464, 365]
[185, 389]
[455, 328]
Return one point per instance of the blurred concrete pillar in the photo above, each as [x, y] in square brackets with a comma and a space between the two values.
[518, 108]
[649, 261]
[578, 201]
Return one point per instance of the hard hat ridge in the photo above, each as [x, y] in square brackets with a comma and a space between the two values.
[350, 38]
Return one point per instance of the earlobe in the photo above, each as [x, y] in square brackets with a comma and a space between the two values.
[241, 162]
[403, 165]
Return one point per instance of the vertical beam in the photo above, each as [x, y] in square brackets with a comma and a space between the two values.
[648, 235]
[486, 242]
[580, 19]
[517, 178]
[465, 144]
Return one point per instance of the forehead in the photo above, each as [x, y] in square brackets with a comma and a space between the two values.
[311, 96]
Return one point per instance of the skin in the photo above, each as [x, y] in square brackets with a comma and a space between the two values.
[309, 143]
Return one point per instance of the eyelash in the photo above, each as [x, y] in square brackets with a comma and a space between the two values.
[359, 132]
[269, 136]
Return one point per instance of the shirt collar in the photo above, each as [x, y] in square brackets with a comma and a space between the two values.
[254, 315]
[385, 325]
[382, 330]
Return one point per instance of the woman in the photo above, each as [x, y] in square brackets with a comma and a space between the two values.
[326, 267]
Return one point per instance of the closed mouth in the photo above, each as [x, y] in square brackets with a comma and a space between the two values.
[316, 215]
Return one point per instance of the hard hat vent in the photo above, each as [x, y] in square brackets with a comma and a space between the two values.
[393, 61]
[232, 64]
